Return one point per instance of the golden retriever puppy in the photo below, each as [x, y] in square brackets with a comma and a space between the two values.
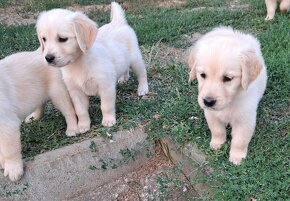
[92, 60]
[272, 5]
[232, 77]
[26, 83]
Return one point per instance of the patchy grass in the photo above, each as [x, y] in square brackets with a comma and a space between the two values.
[171, 108]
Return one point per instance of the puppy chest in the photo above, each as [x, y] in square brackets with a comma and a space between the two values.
[90, 86]
[224, 116]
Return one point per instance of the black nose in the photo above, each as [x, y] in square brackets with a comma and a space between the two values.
[49, 58]
[209, 101]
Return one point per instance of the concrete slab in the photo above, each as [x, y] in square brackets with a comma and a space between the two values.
[70, 171]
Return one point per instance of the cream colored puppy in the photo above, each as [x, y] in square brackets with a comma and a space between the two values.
[92, 60]
[26, 83]
[231, 75]
[272, 5]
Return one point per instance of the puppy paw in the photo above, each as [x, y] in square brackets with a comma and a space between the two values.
[109, 121]
[14, 170]
[84, 128]
[29, 119]
[36, 115]
[143, 89]
[216, 144]
[269, 17]
[236, 158]
[123, 78]
[84, 125]
[72, 132]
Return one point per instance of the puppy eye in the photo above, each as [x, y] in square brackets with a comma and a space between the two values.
[227, 79]
[203, 75]
[62, 40]
[44, 39]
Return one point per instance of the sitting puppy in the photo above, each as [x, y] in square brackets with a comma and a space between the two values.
[231, 78]
[272, 5]
[26, 83]
[92, 60]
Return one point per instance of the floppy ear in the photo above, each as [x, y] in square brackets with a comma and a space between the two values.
[38, 32]
[85, 30]
[192, 64]
[41, 42]
[251, 68]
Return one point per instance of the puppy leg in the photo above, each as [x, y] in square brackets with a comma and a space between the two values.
[81, 105]
[271, 8]
[36, 115]
[10, 148]
[285, 5]
[241, 137]
[108, 101]
[218, 131]
[139, 69]
[62, 101]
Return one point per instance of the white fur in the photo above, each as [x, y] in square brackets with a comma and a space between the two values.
[92, 59]
[222, 53]
[26, 83]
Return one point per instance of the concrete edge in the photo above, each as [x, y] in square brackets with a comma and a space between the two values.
[66, 172]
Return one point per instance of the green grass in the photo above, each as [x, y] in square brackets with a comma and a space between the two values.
[173, 102]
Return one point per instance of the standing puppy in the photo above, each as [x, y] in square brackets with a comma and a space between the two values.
[26, 83]
[272, 5]
[231, 75]
[92, 60]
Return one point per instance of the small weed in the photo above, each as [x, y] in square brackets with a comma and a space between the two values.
[93, 146]
[104, 165]
[92, 167]
[128, 154]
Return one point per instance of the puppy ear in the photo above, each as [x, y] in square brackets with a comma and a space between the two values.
[192, 64]
[41, 42]
[38, 32]
[251, 68]
[85, 30]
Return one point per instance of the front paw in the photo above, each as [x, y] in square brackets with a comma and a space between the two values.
[269, 17]
[216, 144]
[13, 169]
[72, 132]
[30, 118]
[108, 121]
[123, 78]
[84, 126]
[143, 89]
[237, 156]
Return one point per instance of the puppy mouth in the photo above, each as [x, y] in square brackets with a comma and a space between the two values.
[56, 64]
[209, 108]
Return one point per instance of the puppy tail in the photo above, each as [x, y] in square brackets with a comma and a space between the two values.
[117, 14]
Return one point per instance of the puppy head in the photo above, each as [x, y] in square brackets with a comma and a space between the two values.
[223, 68]
[64, 35]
